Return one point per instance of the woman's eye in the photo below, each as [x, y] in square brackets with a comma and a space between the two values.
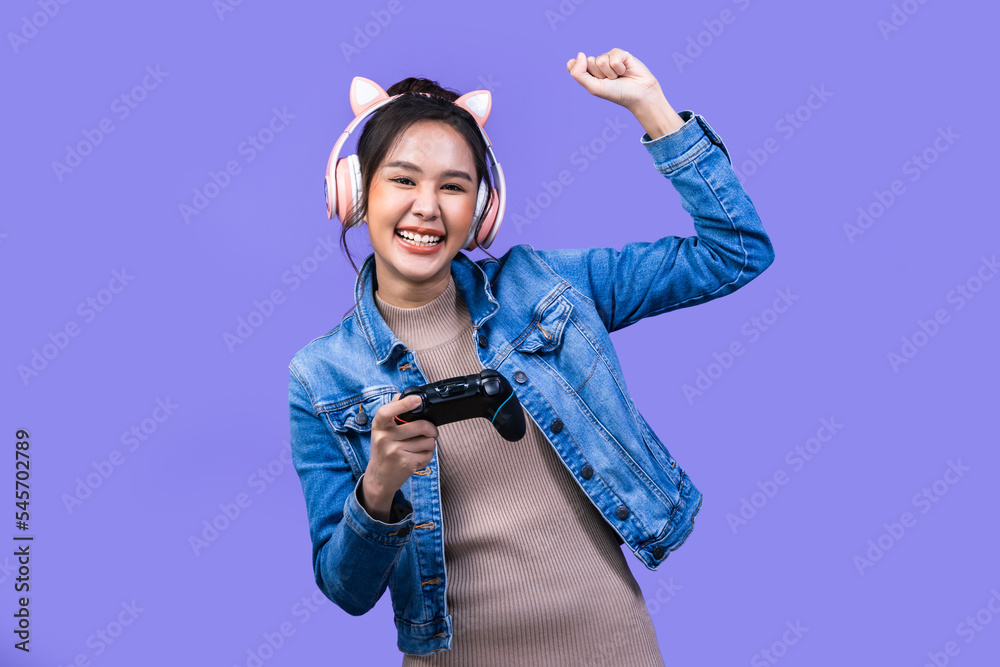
[400, 179]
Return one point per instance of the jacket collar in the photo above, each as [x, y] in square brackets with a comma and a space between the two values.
[470, 281]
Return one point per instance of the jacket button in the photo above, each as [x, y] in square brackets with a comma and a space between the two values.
[362, 418]
[587, 472]
[621, 512]
[483, 342]
[520, 377]
[658, 551]
[556, 425]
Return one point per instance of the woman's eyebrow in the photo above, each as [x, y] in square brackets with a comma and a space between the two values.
[412, 167]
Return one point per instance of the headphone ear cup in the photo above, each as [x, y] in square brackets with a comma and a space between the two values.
[328, 182]
[470, 241]
[489, 226]
[356, 176]
[348, 186]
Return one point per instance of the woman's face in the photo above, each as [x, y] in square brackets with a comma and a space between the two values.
[426, 186]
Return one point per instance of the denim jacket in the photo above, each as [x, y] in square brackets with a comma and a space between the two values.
[542, 318]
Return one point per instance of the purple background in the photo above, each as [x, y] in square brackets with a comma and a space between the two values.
[727, 594]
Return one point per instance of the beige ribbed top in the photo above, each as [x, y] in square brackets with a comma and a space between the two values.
[535, 575]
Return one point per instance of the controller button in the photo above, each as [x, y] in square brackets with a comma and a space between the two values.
[483, 341]
[621, 512]
[658, 551]
[520, 377]
[488, 373]
[587, 472]
[491, 387]
[556, 425]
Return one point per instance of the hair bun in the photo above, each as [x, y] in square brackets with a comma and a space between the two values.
[421, 85]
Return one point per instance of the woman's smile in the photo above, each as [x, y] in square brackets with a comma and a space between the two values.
[417, 244]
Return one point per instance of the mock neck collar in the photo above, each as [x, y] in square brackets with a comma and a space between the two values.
[471, 285]
[435, 322]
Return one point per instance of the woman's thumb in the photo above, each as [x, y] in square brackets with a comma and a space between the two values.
[578, 69]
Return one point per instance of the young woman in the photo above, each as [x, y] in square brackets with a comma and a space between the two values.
[500, 552]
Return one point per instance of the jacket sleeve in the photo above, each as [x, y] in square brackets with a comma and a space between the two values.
[352, 552]
[649, 278]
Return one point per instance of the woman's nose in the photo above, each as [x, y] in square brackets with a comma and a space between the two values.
[425, 202]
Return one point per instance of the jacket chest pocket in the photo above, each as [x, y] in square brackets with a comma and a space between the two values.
[561, 346]
[352, 419]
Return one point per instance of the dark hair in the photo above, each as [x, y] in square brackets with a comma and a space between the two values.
[385, 127]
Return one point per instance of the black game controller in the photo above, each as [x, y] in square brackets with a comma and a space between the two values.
[485, 394]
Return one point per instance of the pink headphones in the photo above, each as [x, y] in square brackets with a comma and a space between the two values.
[342, 186]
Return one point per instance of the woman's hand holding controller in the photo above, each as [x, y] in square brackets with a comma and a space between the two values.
[397, 451]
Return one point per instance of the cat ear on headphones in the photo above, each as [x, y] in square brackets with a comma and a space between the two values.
[365, 93]
[478, 103]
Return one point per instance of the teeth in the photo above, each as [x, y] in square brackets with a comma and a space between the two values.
[418, 240]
